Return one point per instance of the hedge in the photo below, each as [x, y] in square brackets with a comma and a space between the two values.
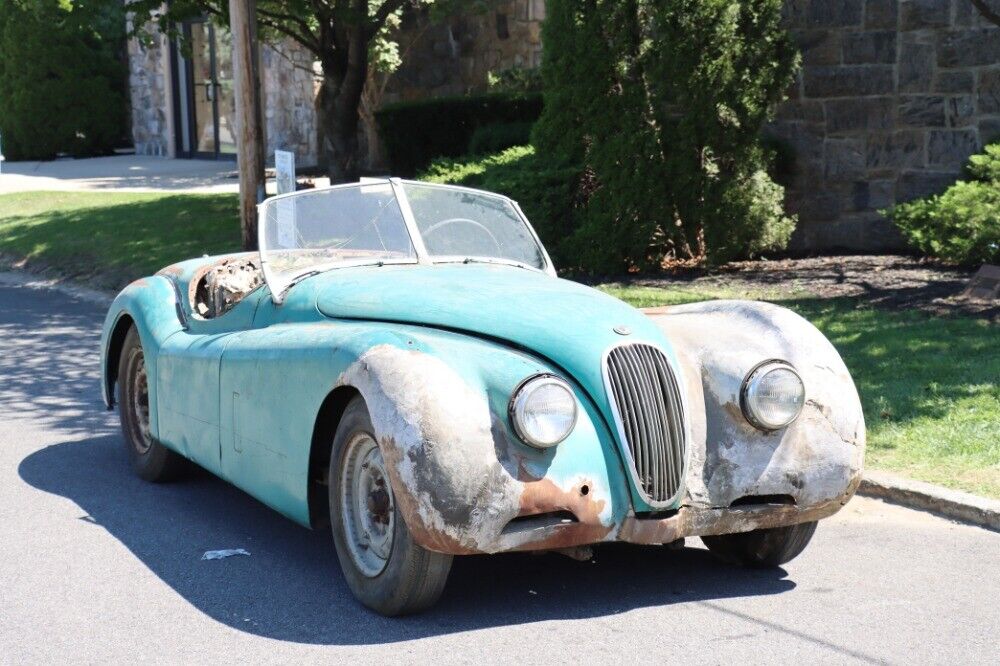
[661, 103]
[415, 133]
[62, 78]
[962, 224]
[545, 190]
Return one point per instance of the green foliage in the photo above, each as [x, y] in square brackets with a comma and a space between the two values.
[986, 166]
[515, 80]
[414, 133]
[961, 225]
[62, 78]
[544, 190]
[661, 103]
[501, 136]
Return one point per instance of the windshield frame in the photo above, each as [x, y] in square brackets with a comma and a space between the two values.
[416, 240]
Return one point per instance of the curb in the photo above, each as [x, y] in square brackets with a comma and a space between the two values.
[27, 279]
[945, 502]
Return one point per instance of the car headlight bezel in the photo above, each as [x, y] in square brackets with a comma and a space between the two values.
[749, 393]
[520, 401]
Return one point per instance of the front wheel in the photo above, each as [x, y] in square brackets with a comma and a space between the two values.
[384, 568]
[762, 548]
[151, 460]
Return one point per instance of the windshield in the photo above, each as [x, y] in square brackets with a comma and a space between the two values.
[458, 224]
[381, 222]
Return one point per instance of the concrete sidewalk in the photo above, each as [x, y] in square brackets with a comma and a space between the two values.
[120, 173]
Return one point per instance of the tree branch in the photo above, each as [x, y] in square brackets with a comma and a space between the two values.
[986, 11]
[383, 13]
[307, 38]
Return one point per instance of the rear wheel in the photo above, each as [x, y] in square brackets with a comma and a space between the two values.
[151, 460]
[383, 566]
[762, 548]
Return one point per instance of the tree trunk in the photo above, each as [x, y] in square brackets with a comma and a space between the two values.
[337, 108]
[249, 124]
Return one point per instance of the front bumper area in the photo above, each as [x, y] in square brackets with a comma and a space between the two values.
[688, 520]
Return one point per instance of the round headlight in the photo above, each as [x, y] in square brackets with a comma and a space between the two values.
[773, 395]
[543, 411]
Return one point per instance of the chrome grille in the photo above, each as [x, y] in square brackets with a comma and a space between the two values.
[650, 417]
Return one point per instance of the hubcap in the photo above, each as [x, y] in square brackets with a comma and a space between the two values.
[140, 407]
[367, 505]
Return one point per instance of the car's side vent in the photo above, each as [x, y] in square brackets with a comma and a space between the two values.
[650, 419]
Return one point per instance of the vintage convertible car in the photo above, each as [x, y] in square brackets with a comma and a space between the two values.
[400, 362]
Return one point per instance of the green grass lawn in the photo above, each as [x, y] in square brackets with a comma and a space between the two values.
[113, 237]
[930, 386]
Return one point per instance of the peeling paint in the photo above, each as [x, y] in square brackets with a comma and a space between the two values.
[454, 494]
[814, 459]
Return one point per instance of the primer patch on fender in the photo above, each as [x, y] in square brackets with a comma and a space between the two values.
[815, 459]
[441, 451]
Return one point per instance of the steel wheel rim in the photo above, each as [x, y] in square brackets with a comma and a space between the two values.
[367, 505]
[142, 441]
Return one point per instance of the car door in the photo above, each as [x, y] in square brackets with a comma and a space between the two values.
[272, 383]
[188, 382]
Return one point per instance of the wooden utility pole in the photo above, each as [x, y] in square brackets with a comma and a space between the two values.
[249, 120]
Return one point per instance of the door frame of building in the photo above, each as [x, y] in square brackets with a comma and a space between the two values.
[184, 88]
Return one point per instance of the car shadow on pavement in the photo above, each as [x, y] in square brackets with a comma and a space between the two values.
[291, 587]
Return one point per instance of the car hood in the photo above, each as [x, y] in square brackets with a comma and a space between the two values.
[569, 324]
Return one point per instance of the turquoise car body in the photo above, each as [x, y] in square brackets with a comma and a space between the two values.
[437, 351]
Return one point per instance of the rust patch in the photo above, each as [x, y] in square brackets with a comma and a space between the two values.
[565, 536]
[544, 496]
[706, 521]
[173, 270]
[422, 533]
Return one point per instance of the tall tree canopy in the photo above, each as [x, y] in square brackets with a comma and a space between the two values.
[661, 104]
[62, 78]
[347, 38]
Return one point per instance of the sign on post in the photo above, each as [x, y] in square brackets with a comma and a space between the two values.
[284, 175]
[284, 170]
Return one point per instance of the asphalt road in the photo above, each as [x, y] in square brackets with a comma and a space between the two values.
[98, 566]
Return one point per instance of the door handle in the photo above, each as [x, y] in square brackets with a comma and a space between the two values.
[209, 91]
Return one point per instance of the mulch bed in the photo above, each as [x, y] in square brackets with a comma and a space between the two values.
[886, 281]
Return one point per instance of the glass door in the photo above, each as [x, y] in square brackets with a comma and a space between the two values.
[205, 105]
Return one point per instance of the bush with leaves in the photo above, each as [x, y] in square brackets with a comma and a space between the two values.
[544, 190]
[660, 103]
[414, 133]
[62, 78]
[961, 225]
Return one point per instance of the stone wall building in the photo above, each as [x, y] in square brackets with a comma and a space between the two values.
[455, 56]
[182, 106]
[892, 98]
[182, 97]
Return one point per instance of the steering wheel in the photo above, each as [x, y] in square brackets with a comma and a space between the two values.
[437, 226]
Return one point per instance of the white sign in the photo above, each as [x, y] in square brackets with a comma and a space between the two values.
[284, 171]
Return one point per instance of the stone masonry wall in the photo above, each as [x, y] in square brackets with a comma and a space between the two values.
[148, 90]
[454, 56]
[288, 88]
[892, 98]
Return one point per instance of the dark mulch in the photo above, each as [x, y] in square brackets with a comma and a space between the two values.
[887, 281]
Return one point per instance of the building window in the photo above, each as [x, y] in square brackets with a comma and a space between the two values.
[536, 10]
[503, 30]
